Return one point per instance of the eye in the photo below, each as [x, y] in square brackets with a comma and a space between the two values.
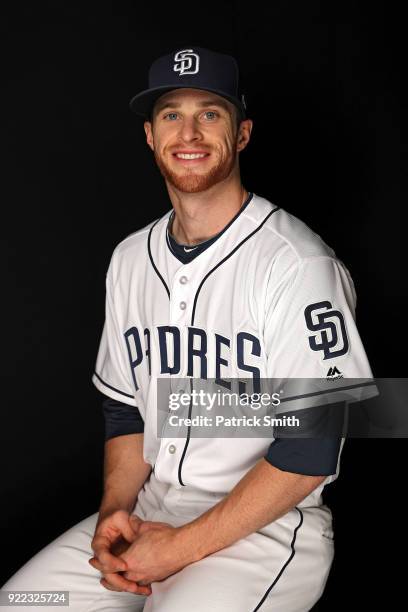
[211, 113]
[170, 114]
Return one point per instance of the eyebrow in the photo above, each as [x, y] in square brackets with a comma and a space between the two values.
[174, 104]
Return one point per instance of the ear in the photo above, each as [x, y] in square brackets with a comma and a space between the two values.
[149, 134]
[244, 134]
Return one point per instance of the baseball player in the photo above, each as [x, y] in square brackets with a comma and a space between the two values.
[225, 285]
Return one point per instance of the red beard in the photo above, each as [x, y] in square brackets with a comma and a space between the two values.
[189, 180]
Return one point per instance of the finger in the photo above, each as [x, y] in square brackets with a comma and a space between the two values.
[135, 522]
[131, 576]
[101, 568]
[115, 525]
[106, 584]
[107, 564]
[110, 562]
[95, 564]
[121, 522]
[144, 589]
[116, 582]
[101, 545]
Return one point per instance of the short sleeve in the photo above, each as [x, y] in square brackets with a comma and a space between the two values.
[310, 327]
[311, 333]
[112, 374]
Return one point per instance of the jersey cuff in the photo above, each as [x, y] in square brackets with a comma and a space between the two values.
[104, 387]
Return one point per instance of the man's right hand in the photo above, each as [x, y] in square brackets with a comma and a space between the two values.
[113, 535]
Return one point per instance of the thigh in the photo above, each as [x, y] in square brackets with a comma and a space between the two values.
[63, 565]
[282, 569]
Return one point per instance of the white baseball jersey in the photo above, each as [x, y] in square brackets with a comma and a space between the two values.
[267, 298]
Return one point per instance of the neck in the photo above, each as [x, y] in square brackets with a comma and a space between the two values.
[199, 216]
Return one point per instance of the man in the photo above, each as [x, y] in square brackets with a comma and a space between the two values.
[225, 285]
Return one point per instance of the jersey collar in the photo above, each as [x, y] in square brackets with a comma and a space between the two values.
[186, 253]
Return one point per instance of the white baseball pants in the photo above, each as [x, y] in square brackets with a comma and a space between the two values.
[282, 568]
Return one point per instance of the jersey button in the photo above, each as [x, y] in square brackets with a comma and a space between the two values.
[183, 305]
[172, 449]
[183, 280]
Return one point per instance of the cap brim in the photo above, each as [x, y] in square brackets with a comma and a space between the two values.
[143, 102]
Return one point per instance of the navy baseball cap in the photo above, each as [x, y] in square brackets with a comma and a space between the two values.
[193, 67]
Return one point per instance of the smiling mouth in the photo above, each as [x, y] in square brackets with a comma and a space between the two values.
[191, 158]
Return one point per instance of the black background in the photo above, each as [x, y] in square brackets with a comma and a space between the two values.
[327, 96]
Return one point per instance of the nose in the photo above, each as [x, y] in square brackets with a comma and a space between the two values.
[189, 129]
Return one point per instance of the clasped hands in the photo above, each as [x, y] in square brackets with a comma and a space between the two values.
[132, 553]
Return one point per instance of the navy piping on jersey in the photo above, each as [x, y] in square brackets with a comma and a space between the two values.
[192, 322]
[314, 393]
[113, 388]
[285, 565]
[227, 257]
[151, 258]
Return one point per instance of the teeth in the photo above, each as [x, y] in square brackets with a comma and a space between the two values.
[190, 155]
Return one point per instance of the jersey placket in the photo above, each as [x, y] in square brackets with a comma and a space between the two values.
[182, 291]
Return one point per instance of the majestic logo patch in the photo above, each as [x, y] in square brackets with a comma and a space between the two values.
[332, 337]
[333, 374]
[186, 62]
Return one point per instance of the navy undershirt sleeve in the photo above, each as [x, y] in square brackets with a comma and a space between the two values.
[311, 456]
[308, 456]
[121, 419]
